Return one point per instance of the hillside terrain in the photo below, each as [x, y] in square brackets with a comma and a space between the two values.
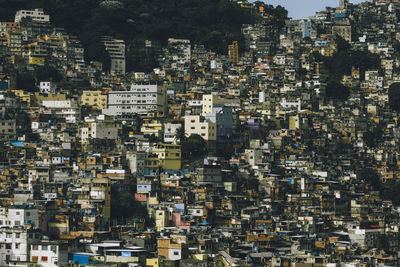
[214, 23]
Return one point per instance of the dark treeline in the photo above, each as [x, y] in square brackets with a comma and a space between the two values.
[214, 23]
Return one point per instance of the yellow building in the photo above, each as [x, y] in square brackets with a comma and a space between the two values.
[162, 219]
[95, 99]
[36, 60]
[208, 102]
[152, 262]
[343, 30]
[56, 38]
[24, 96]
[294, 122]
[151, 126]
[37, 99]
[169, 156]
[233, 50]
[95, 191]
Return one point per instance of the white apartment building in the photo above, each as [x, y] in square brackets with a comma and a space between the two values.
[15, 244]
[291, 104]
[99, 130]
[49, 254]
[198, 125]
[19, 217]
[36, 15]
[170, 130]
[208, 103]
[116, 50]
[140, 99]
[47, 88]
[64, 108]
[136, 162]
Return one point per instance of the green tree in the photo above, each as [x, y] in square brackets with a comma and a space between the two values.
[26, 81]
[394, 96]
[373, 137]
[342, 44]
[336, 90]
[97, 52]
[124, 206]
[48, 73]
[345, 59]
[180, 134]
[225, 151]
[194, 146]
[370, 176]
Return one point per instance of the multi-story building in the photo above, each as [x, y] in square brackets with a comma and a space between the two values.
[66, 109]
[19, 217]
[233, 50]
[343, 29]
[116, 50]
[170, 132]
[14, 42]
[169, 156]
[170, 250]
[223, 118]
[198, 125]
[15, 244]
[140, 99]
[48, 253]
[8, 130]
[99, 129]
[179, 51]
[136, 162]
[47, 87]
[95, 99]
[36, 15]
[208, 103]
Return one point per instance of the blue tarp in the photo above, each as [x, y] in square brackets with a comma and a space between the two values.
[340, 15]
[125, 254]
[80, 259]
[17, 143]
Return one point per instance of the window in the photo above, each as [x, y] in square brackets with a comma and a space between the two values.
[44, 247]
[17, 235]
[8, 246]
[176, 253]
[44, 258]
[17, 246]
